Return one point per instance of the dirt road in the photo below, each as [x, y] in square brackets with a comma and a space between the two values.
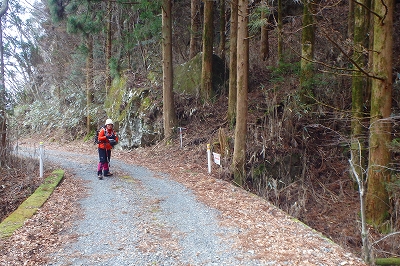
[141, 217]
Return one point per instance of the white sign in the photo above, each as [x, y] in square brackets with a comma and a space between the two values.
[217, 158]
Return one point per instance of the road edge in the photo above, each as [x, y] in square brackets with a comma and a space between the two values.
[29, 207]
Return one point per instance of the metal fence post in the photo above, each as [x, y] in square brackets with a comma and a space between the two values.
[41, 158]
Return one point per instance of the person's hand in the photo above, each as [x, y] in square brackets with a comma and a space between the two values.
[111, 137]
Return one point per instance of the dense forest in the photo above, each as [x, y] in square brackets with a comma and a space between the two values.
[300, 98]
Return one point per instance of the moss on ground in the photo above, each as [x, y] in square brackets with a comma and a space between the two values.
[29, 207]
[387, 261]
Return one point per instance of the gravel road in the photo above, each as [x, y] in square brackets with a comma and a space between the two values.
[138, 217]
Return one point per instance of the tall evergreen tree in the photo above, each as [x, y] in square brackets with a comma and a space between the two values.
[377, 198]
[350, 19]
[232, 97]
[280, 31]
[85, 18]
[3, 120]
[208, 41]
[168, 97]
[360, 85]
[108, 45]
[89, 81]
[307, 51]
[239, 154]
[222, 40]
[195, 26]
[264, 42]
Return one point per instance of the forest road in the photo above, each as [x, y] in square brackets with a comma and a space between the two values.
[136, 218]
[142, 217]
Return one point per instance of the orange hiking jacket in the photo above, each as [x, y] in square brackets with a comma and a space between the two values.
[104, 143]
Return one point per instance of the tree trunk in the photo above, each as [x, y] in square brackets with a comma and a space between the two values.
[307, 53]
[264, 46]
[239, 154]
[222, 41]
[208, 39]
[377, 199]
[89, 83]
[280, 32]
[168, 97]
[108, 47]
[3, 119]
[360, 86]
[233, 64]
[350, 19]
[195, 16]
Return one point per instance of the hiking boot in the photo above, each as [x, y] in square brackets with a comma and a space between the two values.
[100, 177]
[108, 174]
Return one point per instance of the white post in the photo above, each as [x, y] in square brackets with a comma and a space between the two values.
[209, 158]
[41, 158]
[180, 135]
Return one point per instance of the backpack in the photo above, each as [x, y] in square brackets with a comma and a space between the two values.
[96, 137]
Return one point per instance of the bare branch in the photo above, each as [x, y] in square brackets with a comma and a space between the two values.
[337, 68]
[386, 236]
[386, 11]
[367, 8]
[350, 59]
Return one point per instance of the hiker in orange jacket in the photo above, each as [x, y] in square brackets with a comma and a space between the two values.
[107, 139]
